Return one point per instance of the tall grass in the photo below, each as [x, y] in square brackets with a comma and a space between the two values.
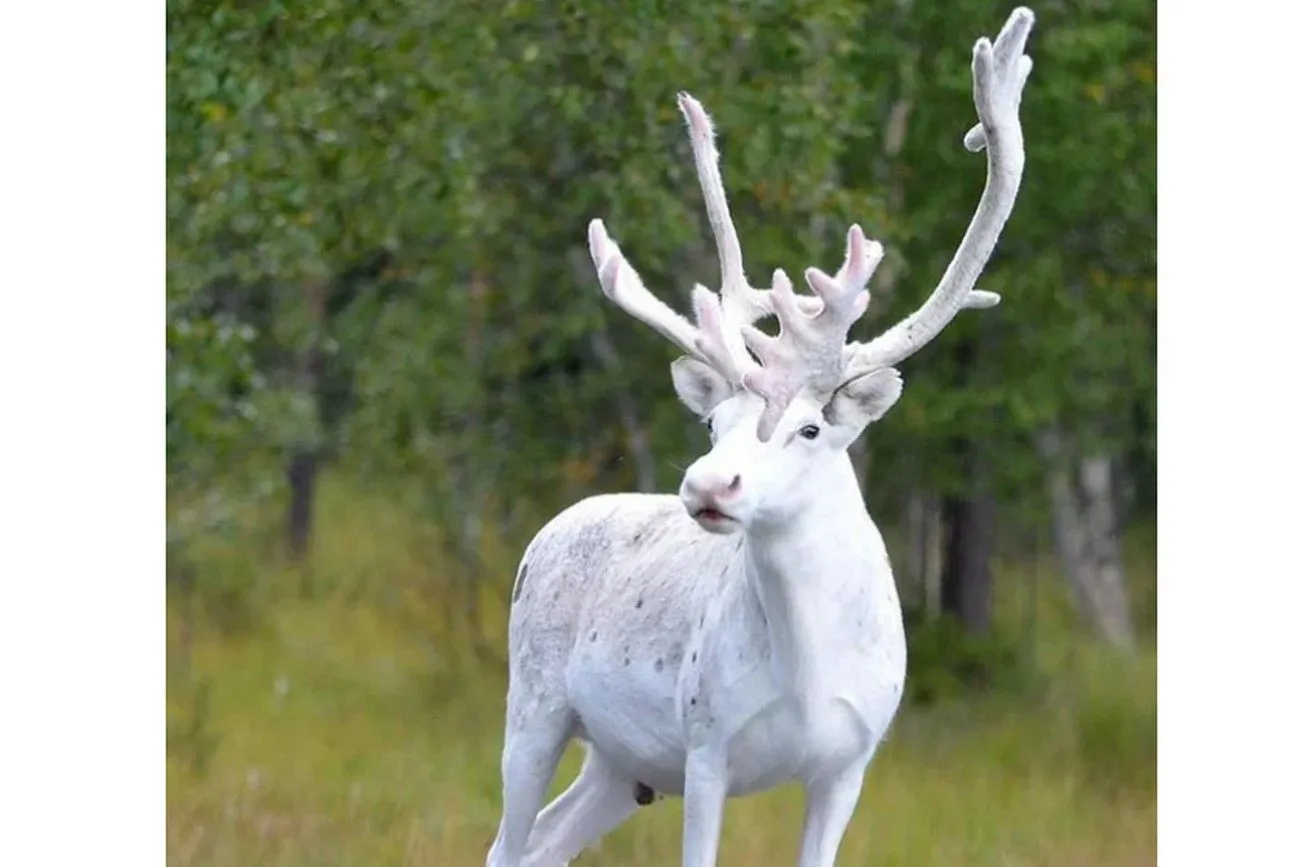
[340, 717]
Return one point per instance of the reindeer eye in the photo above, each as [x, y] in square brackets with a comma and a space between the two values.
[708, 423]
[809, 431]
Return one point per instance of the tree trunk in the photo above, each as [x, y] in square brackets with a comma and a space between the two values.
[1086, 531]
[305, 459]
[474, 470]
[924, 567]
[966, 587]
[469, 542]
[304, 466]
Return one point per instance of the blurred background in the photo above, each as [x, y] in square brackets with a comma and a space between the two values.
[389, 363]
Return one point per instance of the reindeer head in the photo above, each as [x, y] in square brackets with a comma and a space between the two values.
[778, 407]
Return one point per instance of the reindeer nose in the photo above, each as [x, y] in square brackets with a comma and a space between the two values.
[712, 488]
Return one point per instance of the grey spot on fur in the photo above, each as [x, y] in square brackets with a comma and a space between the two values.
[694, 656]
[640, 602]
[659, 665]
[519, 582]
[626, 662]
[647, 531]
[591, 541]
[593, 635]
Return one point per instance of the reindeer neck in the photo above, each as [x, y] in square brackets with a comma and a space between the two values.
[806, 571]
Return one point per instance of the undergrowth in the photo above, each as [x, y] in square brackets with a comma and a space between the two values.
[351, 714]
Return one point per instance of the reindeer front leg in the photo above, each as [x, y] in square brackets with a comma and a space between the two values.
[829, 805]
[703, 800]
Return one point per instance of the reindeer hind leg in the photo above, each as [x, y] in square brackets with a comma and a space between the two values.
[599, 800]
[533, 747]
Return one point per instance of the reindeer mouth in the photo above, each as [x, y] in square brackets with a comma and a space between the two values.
[710, 515]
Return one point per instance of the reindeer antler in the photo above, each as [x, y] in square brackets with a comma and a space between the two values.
[809, 352]
[716, 340]
[1000, 71]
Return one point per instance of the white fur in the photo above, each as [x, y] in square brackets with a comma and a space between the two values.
[760, 656]
[714, 652]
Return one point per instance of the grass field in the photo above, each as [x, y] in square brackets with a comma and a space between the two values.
[351, 725]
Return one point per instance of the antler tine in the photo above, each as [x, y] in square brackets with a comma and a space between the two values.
[809, 350]
[716, 341]
[719, 340]
[740, 301]
[737, 295]
[622, 285]
[1000, 71]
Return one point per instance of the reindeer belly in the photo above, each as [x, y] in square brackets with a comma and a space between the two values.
[626, 710]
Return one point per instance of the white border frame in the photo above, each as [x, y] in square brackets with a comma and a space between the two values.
[82, 461]
[82, 560]
[1229, 592]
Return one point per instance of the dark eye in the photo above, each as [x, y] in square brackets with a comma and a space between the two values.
[708, 423]
[809, 431]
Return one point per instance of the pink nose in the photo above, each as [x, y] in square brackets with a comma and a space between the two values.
[711, 488]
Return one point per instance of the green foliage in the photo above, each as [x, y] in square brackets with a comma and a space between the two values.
[1116, 724]
[945, 661]
[212, 388]
[466, 148]
[1074, 339]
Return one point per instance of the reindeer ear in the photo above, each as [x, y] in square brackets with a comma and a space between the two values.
[864, 399]
[699, 386]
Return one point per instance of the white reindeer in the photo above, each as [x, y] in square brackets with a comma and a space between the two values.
[753, 637]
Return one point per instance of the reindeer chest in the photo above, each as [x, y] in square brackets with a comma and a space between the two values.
[782, 715]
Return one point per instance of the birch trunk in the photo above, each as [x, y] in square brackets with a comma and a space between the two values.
[1086, 533]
